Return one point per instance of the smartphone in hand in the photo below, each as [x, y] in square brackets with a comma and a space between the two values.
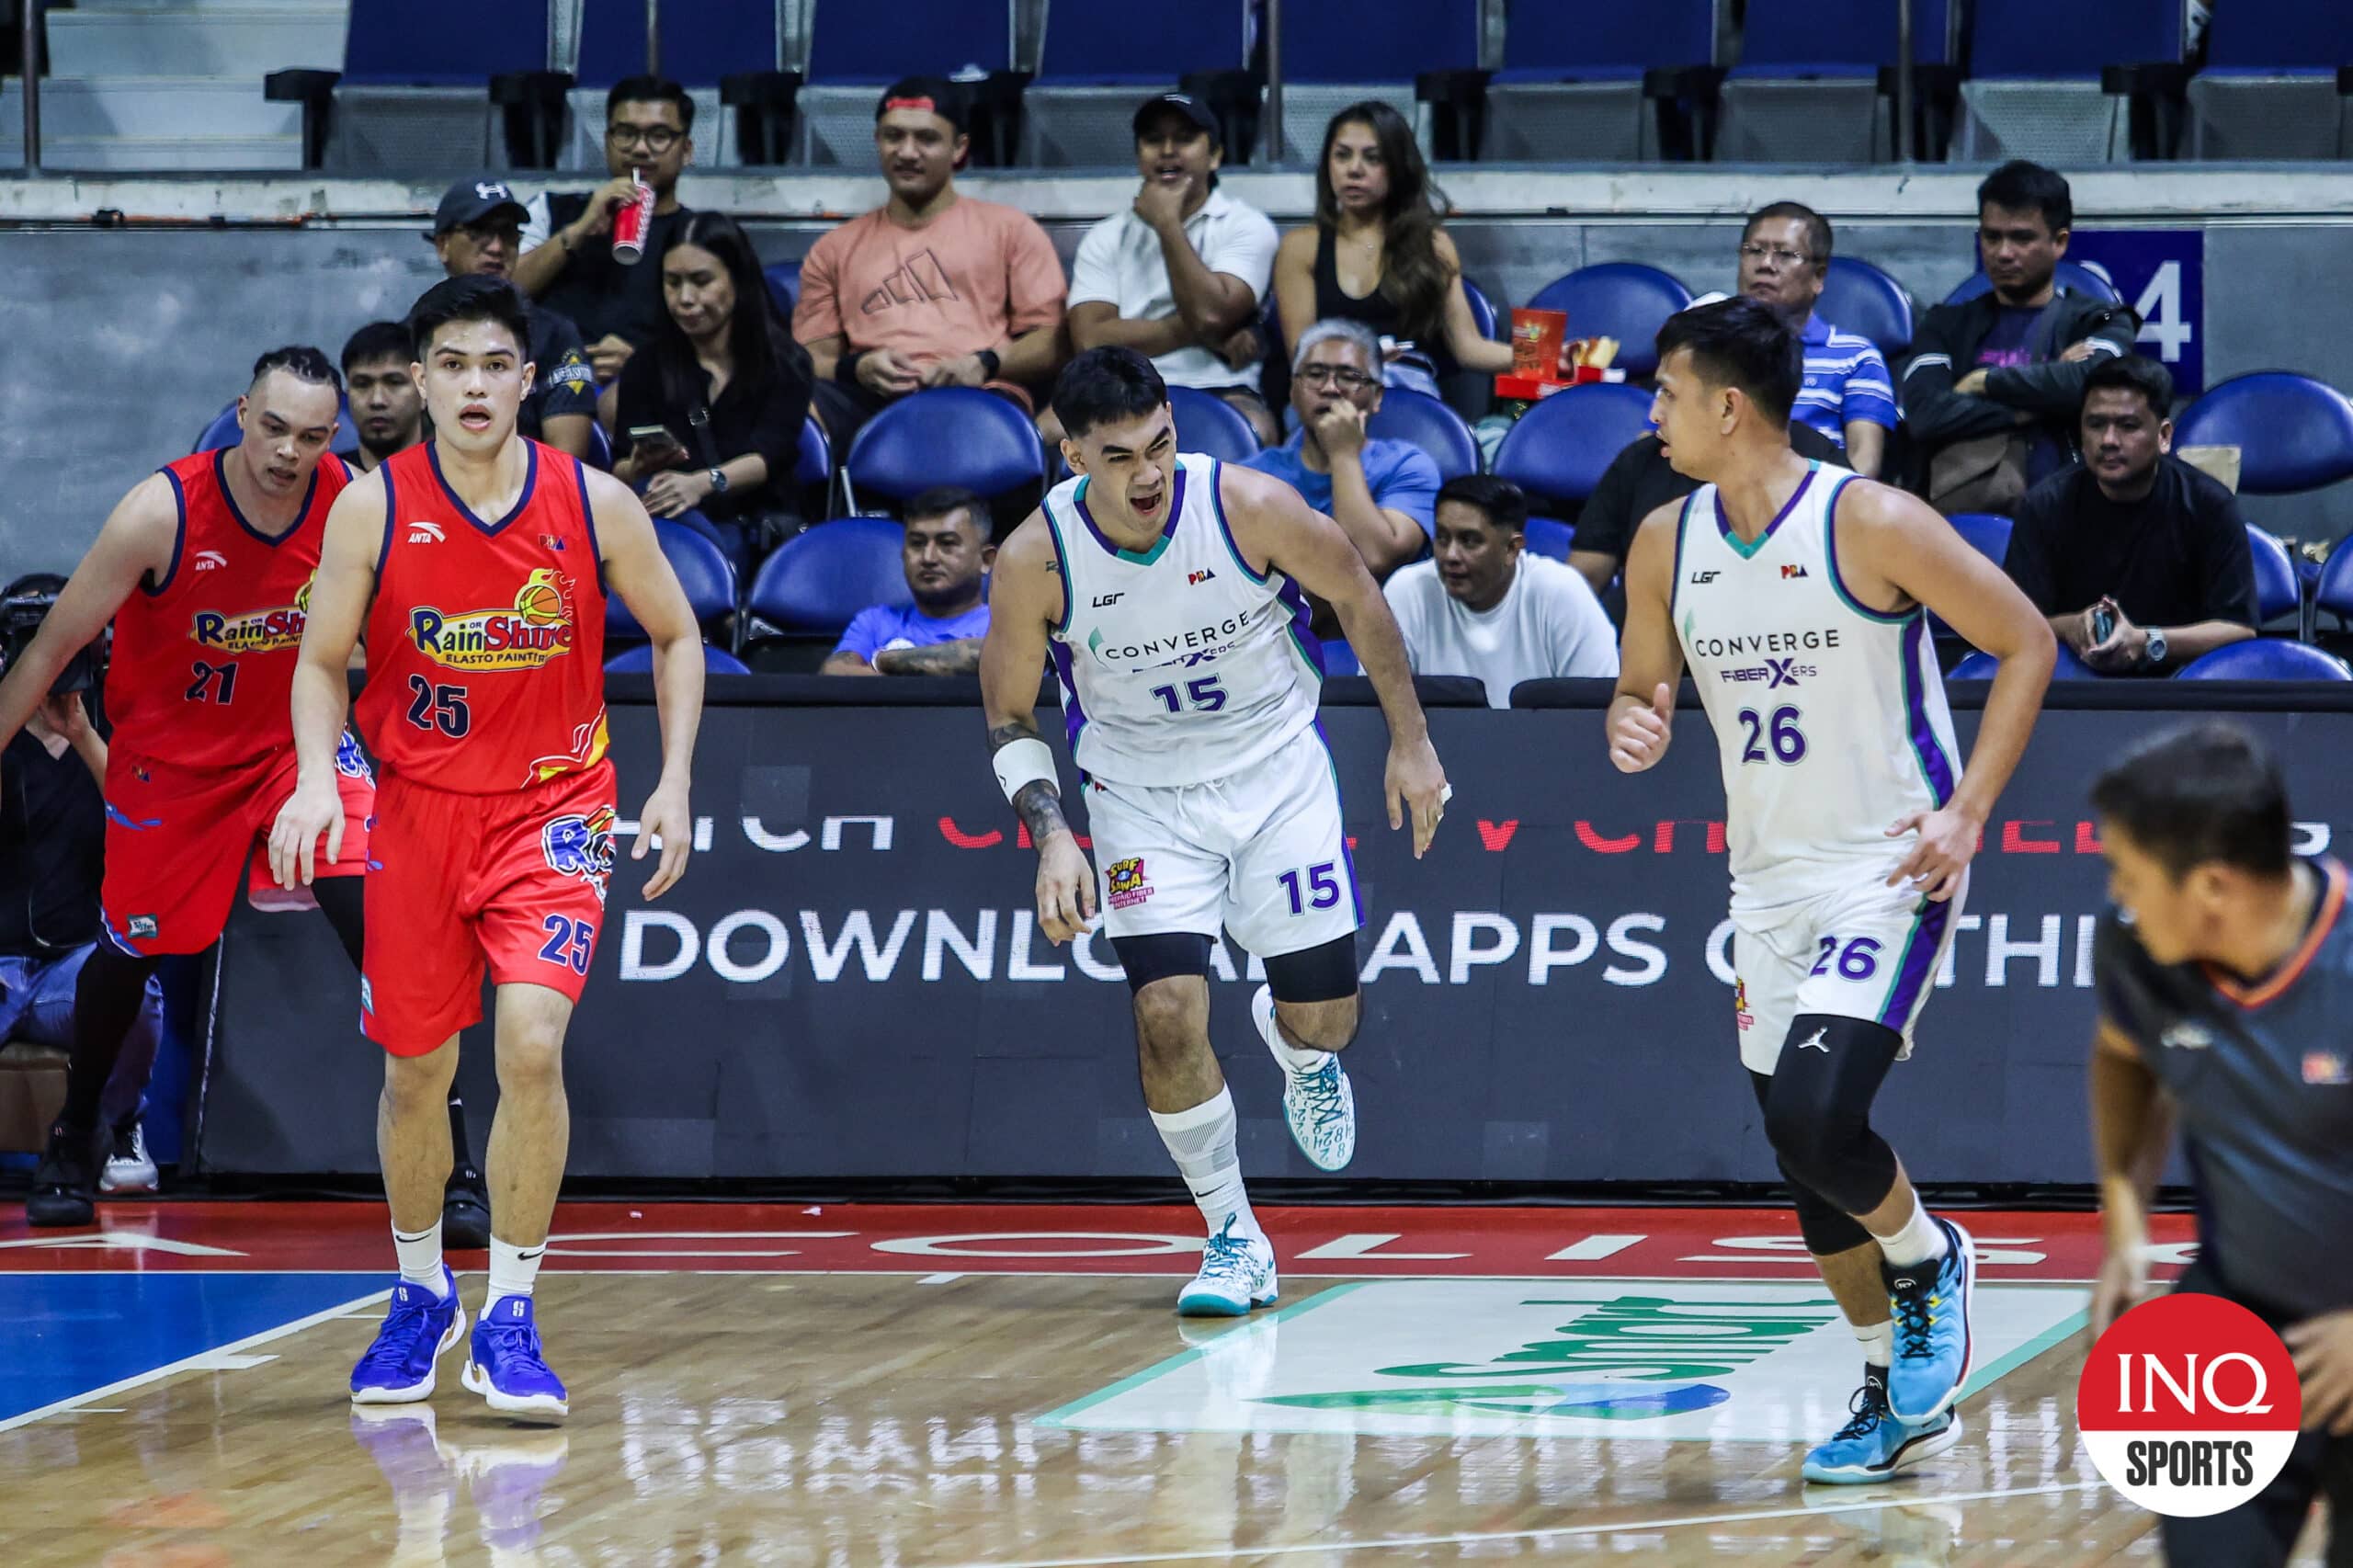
[655, 446]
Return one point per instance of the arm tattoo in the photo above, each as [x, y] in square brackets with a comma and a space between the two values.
[961, 657]
[1039, 803]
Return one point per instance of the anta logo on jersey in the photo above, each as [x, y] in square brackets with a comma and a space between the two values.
[581, 847]
[424, 533]
[255, 631]
[536, 629]
[1126, 881]
[211, 560]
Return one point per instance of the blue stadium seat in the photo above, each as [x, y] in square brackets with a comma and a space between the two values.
[715, 660]
[2278, 590]
[819, 580]
[1369, 40]
[224, 432]
[1603, 43]
[1558, 448]
[948, 436]
[1858, 297]
[1987, 533]
[2333, 590]
[1429, 425]
[2070, 37]
[1550, 536]
[1339, 659]
[703, 570]
[444, 44]
[2071, 274]
[1624, 300]
[2270, 88]
[2294, 433]
[2266, 658]
[2279, 36]
[701, 43]
[1090, 44]
[1981, 666]
[600, 447]
[1835, 38]
[854, 43]
[1207, 423]
[1482, 310]
[814, 464]
[784, 285]
[1807, 87]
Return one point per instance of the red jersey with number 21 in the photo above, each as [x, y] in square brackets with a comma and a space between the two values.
[486, 639]
[203, 663]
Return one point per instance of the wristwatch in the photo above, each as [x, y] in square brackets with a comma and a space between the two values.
[2154, 653]
[990, 363]
[718, 481]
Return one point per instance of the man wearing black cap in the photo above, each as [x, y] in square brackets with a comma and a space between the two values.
[478, 230]
[1179, 277]
[931, 289]
[567, 262]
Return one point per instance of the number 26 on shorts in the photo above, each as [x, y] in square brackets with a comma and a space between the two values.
[1859, 960]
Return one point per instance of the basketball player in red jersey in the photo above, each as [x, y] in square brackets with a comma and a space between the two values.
[204, 568]
[480, 561]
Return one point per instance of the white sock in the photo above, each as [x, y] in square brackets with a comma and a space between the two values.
[420, 1257]
[1296, 1060]
[1916, 1242]
[1201, 1142]
[1879, 1343]
[513, 1270]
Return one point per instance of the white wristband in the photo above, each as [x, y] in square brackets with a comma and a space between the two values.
[1023, 763]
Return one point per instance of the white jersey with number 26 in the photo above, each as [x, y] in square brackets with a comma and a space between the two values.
[1178, 664]
[1830, 715]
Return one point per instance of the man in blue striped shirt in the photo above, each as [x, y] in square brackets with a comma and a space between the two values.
[1784, 256]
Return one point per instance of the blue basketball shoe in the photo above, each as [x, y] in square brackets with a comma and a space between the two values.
[506, 1367]
[419, 1328]
[1874, 1444]
[1931, 1304]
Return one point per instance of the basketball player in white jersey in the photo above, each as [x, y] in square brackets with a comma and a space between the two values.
[1796, 595]
[1168, 590]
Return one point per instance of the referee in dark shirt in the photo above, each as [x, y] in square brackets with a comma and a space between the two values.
[2223, 977]
[2140, 561]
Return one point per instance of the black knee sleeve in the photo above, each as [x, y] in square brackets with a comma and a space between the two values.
[107, 996]
[1162, 955]
[1323, 973]
[1817, 1109]
[343, 899]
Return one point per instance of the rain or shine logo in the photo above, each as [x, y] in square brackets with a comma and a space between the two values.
[536, 629]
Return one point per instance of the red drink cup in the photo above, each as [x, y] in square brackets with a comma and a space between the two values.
[630, 225]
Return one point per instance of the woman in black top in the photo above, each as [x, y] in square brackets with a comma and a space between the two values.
[707, 418]
[1377, 254]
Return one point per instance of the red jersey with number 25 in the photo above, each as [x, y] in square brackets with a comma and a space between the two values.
[486, 639]
[202, 664]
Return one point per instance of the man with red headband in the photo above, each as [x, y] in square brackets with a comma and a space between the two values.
[931, 289]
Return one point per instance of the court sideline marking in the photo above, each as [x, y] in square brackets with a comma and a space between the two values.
[1475, 1538]
[203, 1360]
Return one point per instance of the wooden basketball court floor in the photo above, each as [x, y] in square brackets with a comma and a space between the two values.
[1008, 1387]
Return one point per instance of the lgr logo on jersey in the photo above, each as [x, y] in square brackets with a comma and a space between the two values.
[535, 629]
[2189, 1405]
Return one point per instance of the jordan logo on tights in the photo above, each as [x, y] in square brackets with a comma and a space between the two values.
[1815, 1043]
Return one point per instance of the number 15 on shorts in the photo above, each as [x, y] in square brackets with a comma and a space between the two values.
[1321, 890]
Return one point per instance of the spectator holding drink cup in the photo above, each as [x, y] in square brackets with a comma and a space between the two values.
[581, 254]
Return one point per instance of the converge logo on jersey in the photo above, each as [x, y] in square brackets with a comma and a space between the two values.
[2189, 1405]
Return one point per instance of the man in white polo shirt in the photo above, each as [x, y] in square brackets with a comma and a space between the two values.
[1482, 605]
[1179, 277]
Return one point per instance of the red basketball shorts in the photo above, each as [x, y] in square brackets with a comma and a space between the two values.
[511, 884]
[179, 841]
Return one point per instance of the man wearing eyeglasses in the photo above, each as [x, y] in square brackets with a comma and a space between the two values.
[1784, 258]
[1382, 494]
[567, 262]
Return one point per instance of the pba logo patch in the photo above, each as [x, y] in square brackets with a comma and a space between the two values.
[581, 847]
[1127, 881]
[537, 628]
[2189, 1405]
